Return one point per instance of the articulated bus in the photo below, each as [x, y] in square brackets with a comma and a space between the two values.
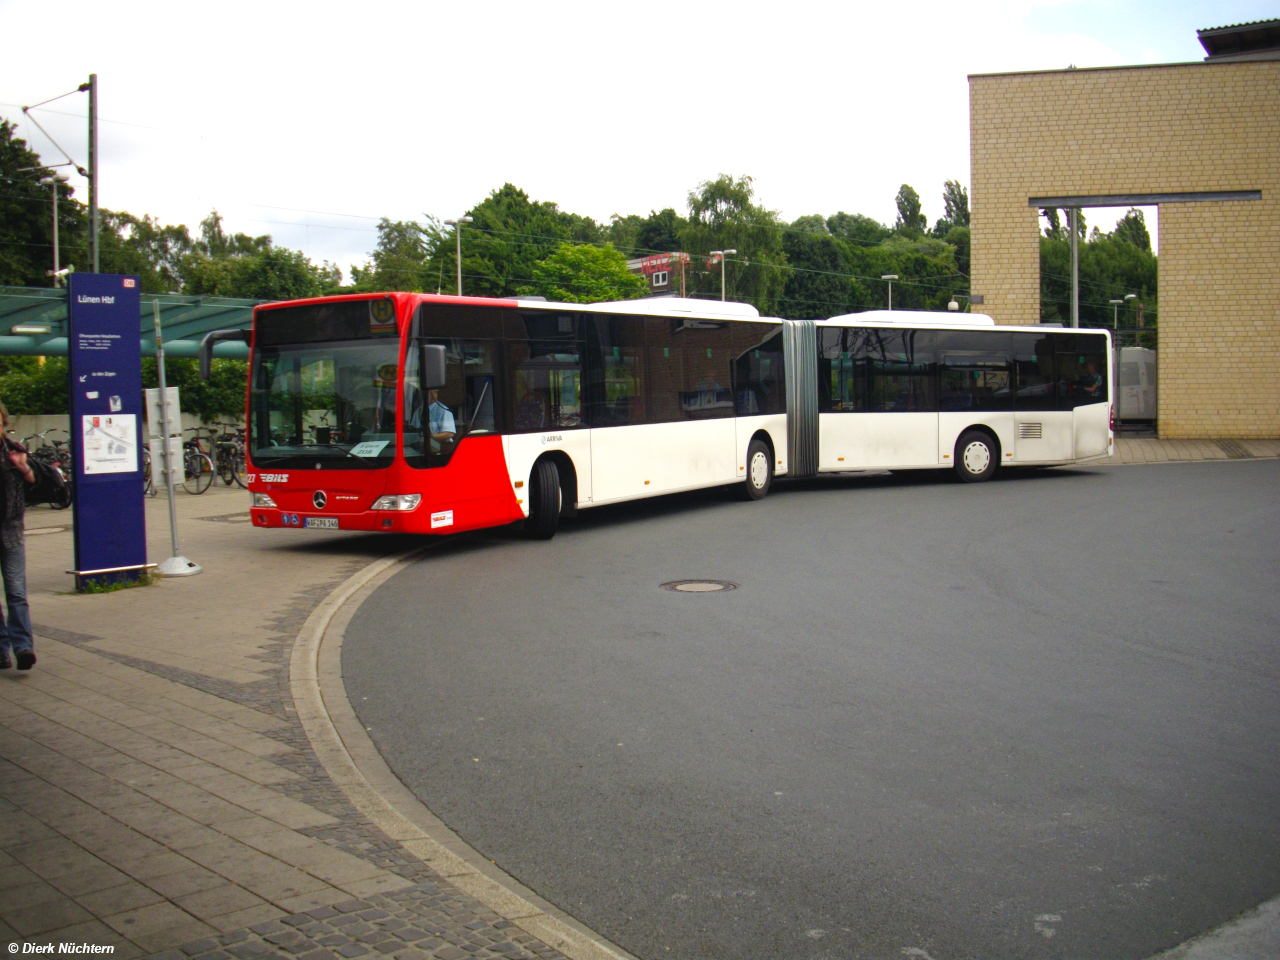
[433, 414]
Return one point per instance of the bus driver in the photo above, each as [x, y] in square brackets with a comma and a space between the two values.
[440, 421]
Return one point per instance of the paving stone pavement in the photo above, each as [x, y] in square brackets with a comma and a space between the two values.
[157, 793]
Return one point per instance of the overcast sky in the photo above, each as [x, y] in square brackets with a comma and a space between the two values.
[310, 121]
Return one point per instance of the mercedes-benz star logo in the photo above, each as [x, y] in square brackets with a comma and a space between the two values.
[319, 499]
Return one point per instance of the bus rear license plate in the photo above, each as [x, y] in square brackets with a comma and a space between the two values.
[321, 523]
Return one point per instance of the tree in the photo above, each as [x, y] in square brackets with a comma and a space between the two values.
[955, 208]
[857, 228]
[1110, 268]
[238, 265]
[508, 234]
[911, 222]
[26, 215]
[582, 273]
[660, 232]
[812, 223]
[1132, 228]
[399, 259]
[722, 216]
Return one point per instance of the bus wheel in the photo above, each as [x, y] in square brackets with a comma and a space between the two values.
[759, 471]
[544, 501]
[977, 457]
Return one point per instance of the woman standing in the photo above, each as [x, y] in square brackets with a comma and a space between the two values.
[15, 474]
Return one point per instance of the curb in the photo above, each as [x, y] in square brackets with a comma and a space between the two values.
[356, 766]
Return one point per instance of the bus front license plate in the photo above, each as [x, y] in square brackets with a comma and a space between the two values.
[321, 523]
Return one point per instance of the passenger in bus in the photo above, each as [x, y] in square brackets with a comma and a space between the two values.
[532, 410]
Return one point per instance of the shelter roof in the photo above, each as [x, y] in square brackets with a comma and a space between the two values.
[184, 320]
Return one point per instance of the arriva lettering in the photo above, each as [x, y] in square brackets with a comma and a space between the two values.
[551, 437]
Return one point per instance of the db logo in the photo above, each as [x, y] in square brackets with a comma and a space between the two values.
[129, 284]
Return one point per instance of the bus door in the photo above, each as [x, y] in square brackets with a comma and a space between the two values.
[1043, 421]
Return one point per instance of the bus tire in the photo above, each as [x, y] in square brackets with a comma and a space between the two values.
[977, 456]
[544, 501]
[759, 471]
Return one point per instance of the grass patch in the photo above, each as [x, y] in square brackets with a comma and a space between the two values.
[141, 580]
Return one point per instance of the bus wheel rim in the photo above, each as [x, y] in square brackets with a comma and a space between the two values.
[977, 457]
[759, 470]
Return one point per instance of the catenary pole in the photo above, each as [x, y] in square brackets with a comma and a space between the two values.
[93, 170]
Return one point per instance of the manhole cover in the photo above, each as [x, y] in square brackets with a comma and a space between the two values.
[699, 586]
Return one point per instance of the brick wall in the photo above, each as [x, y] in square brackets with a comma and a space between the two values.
[1174, 128]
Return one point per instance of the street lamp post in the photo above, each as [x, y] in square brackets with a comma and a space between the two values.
[721, 254]
[890, 277]
[1115, 309]
[457, 233]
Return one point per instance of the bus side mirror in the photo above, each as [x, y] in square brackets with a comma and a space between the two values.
[433, 373]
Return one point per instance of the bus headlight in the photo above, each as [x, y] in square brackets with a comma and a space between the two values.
[263, 500]
[401, 501]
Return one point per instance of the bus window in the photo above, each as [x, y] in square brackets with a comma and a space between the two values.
[689, 376]
[974, 371]
[759, 379]
[1035, 384]
[900, 365]
[617, 397]
[1082, 369]
[546, 387]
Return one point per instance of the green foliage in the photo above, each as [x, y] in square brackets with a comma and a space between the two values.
[660, 232]
[580, 273]
[832, 275]
[119, 582]
[1110, 267]
[26, 214]
[28, 386]
[509, 233]
[814, 223]
[238, 265]
[722, 216]
[955, 208]
[399, 261]
[1059, 225]
[911, 222]
[222, 396]
[857, 228]
[1132, 228]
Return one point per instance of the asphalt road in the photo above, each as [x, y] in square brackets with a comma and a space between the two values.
[1029, 718]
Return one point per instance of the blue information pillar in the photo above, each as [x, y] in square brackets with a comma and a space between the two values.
[106, 426]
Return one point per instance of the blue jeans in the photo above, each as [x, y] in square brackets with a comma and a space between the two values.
[15, 635]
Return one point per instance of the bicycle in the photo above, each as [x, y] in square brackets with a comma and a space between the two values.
[197, 466]
[148, 482]
[229, 454]
[56, 453]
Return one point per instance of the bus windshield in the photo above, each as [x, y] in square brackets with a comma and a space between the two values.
[328, 405]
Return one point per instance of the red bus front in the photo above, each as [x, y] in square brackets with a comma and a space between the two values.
[342, 434]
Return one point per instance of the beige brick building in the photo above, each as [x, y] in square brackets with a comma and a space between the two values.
[1200, 139]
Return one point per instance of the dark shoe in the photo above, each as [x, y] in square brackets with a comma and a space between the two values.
[5, 662]
[26, 659]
